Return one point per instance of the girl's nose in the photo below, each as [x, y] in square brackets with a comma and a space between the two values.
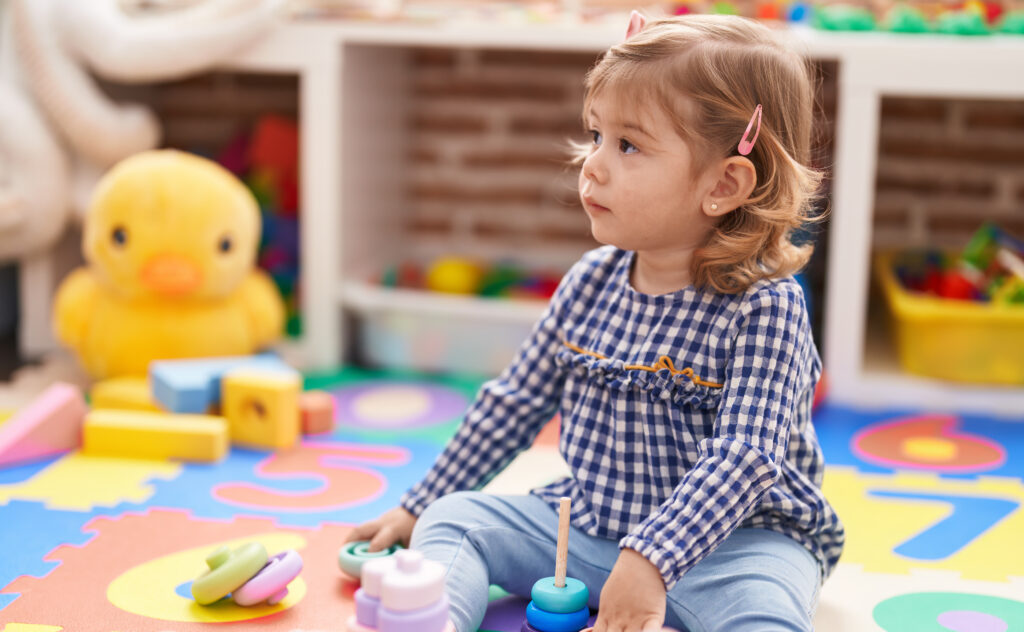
[594, 168]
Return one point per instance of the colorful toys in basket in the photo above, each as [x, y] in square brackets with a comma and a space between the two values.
[460, 275]
[990, 269]
[401, 593]
[247, 574]
[559, 603]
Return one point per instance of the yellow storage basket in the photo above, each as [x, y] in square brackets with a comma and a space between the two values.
[949, 339]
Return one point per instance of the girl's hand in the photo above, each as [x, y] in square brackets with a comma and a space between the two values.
[633, 598]
[395, 525]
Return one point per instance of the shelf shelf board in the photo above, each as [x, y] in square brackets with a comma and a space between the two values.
[368, 298]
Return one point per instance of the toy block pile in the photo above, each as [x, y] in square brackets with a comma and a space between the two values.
[191, 410]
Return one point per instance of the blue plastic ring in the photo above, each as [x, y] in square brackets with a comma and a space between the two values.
[557, 622]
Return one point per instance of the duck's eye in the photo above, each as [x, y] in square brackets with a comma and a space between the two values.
[119, 236]
[224, 245]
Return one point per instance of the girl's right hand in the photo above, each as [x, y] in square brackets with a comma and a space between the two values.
[395, 525]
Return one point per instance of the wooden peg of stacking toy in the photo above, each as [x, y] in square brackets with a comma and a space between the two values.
[559, 603]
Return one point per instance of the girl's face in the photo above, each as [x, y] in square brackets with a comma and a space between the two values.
[637, 184]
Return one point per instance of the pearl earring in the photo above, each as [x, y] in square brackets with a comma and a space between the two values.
[714, 206]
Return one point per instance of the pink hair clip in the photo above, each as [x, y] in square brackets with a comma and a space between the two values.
[636, 24]
[747, 146]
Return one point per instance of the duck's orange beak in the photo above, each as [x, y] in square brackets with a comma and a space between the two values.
[171, 274]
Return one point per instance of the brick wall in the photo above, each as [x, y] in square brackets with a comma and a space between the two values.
[488, 133]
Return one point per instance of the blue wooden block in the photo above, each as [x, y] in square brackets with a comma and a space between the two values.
[193, 385]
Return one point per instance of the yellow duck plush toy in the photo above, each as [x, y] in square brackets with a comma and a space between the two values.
[170, 241]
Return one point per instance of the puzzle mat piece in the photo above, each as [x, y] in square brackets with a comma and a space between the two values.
[28, 531]
[127, 576]
[850, 596]
[314, 482]
[371, 405]
[838, 427]
[77, 482]
[28, 627]
[898, 522]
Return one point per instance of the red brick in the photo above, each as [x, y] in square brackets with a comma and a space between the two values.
[555, 126]
[920, 110]
[490, 90]
[439, 191]
[436, 57]
[948, 149]
[540, 59]
[509, 159]
[1007, 115]
[449, 124]
[926, 184]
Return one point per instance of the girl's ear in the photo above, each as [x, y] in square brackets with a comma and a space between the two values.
[737, 178]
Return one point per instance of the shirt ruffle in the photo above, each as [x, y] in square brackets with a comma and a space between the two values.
[678, 388]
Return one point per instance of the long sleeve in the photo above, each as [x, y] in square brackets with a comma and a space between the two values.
[741, 460]
[507, 414]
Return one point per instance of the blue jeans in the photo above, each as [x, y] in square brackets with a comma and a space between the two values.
[756, 581]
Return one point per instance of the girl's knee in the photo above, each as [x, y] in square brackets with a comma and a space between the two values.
[455, 513]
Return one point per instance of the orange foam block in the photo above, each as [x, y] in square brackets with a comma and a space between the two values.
[51, 424]
[316, 410]
[145, 435]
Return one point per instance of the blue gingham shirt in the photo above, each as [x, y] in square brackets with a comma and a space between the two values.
[684, 416]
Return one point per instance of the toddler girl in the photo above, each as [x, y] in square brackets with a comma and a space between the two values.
[679, 356]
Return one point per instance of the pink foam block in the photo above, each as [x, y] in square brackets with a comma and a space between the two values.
[51, 424]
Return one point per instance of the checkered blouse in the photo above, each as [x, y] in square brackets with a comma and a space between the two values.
[684, 416]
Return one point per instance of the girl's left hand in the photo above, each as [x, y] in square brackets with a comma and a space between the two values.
[633, 598]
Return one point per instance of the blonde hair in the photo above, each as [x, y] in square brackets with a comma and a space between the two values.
[709, 72]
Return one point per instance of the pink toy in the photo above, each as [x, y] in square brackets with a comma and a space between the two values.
[401, 593]
[51, 424]
[271, 583]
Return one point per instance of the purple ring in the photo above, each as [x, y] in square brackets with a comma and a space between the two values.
[271, 583]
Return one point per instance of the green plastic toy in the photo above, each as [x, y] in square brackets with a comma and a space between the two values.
[228, 570]
[962, 23]
[353, 555]
[903, 18]
[841, 17]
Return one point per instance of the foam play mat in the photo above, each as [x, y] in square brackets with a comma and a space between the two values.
[932, 506]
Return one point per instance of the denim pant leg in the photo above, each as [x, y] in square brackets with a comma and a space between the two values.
[756, 581]
[509, 541]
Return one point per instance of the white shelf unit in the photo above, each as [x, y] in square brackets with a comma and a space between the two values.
[351, 103]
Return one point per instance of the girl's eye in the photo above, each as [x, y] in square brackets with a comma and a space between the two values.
[597, 136]
[627, 147]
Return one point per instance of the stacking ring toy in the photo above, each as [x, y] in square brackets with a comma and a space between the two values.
[556, 622]
[228, 571]
[353, 555]
[569, 598]
[271, 583]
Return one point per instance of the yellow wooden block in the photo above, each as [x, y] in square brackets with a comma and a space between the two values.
[123, 393]
[146, 435]
[262, 407]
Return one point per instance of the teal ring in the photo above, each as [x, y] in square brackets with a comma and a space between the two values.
[550, 598]
[353, 555]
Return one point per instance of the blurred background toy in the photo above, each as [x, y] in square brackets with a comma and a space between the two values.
[266, 159]
[170, 241]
